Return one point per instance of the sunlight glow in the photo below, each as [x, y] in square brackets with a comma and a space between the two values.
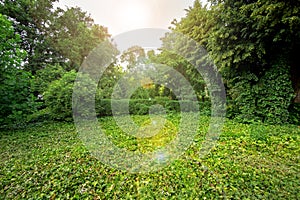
[120, 16]
[133, 15]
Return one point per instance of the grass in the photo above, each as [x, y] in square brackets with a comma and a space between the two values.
[49, 161]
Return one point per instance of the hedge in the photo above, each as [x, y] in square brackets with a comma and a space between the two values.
[142, 106]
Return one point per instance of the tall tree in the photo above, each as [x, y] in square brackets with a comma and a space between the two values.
[133, 56]
[74, 35]
[53, 36]
[30, 20]
[255, 43]
[15, 95]
[195, 25]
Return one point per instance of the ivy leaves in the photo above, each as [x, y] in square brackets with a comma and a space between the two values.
[254, 45]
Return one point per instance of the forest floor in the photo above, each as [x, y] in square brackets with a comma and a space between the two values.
[49, 161]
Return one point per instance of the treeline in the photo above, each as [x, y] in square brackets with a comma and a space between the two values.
[254, 45]
[38, 45]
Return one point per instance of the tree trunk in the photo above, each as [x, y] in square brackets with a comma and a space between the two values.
[297, 99]
[296, 82]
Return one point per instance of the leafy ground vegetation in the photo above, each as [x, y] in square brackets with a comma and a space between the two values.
[49, 161]
[253, 44]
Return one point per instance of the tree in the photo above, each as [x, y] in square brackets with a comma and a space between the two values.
[58, 96]
[251, 41]
[196, 25]
[45, 76]
[15, 93]
[56, 41]
[133, 56]
[31, 19]
[53, 36]
[108, 81]
[74, 35]
[254, 45]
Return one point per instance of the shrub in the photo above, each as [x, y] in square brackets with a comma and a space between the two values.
[138, 108]
[58, 97]
[47, 75]
[276, 96]
[294, 112]
[142, 106]
[263, 99]
[103, 107]
[17, 100]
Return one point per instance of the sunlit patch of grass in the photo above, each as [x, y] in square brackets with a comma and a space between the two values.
[165, 133]
[49, 161]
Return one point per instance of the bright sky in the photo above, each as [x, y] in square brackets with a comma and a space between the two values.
[124, 15]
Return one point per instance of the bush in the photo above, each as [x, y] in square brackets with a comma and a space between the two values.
[17, 101]
[172, 105]
[294, 112]
[142, 106]
[47, 75]
[58, 96]
[262, 99]
[41, 115]
[136, 106]
[16, 98]
[103, 107]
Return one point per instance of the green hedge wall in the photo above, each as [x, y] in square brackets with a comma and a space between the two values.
[142, 106]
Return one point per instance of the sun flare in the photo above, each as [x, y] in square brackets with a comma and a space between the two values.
[133, 15]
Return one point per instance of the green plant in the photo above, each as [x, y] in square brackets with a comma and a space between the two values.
[58, 96]
[45, 76]
[48, 161]
[16, 96]
[276, 95]
[261, 99]
[294, 111]
[142, 106]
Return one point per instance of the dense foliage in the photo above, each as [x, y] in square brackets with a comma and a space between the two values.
[17, 100]
[258, 40]
[52, 36]
[39, 44]
[254, 45]
[48, 161]
[30, 20]
[143, 106]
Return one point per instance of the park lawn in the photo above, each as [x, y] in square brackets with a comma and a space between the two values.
[49, 161]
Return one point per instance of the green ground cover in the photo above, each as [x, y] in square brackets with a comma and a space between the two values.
[49, 161]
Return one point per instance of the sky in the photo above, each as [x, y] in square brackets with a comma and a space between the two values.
[125, 15]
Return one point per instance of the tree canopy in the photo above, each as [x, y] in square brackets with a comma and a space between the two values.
[254, 44]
